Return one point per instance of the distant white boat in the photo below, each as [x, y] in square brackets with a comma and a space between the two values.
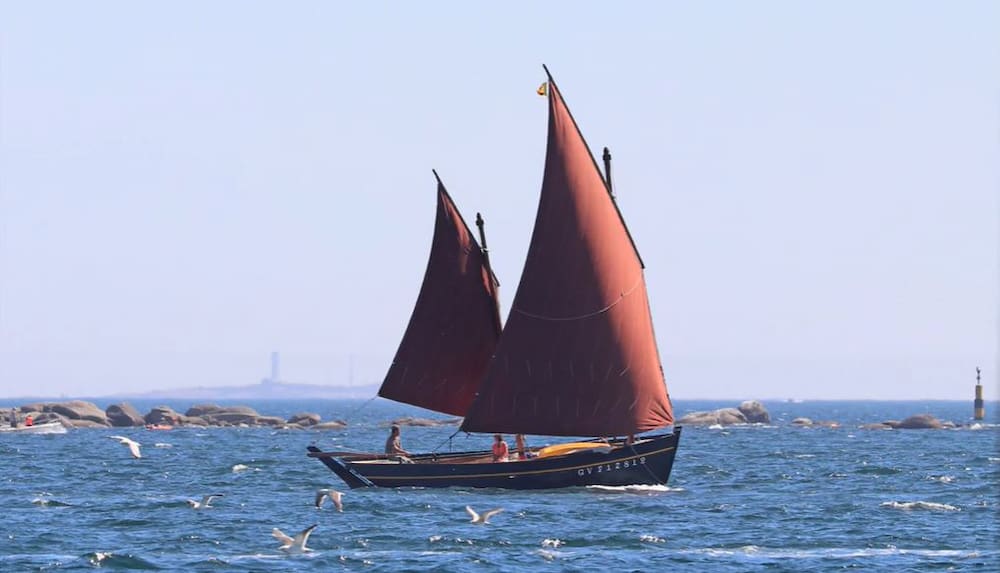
[46, 428]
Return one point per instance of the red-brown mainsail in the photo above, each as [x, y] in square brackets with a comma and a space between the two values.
[455, 324]
[577, 356]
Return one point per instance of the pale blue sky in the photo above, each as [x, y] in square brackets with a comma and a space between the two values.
[186, 186]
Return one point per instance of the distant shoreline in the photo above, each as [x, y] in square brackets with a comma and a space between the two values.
[373, 394]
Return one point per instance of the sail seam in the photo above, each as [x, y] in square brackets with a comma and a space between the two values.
[583, 316]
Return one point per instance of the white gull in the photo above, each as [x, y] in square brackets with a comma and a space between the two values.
[334, 495]
[133, 446]
[484, 517]
[205, 501]
[296, 544]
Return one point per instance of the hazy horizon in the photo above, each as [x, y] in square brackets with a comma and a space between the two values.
[185, 188]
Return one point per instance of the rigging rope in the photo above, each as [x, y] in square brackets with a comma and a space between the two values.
[447, 441]
[351, 414]
[359, 408]
[582, 316]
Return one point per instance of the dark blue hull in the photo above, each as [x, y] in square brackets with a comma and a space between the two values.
[648, 462]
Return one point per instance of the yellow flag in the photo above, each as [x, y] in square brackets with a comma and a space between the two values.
[543, 89]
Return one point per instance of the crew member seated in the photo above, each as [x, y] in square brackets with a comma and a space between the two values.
[500, 451]
[394, 446]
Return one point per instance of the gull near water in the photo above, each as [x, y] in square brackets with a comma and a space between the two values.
[133, 446]
[205, 502]
[484, 517]
[334, 495]
[296, 544]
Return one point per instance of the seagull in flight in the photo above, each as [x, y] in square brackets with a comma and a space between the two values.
[483, 518]
[205, 501]
[334, 495]
[296, 544]
[133, 446]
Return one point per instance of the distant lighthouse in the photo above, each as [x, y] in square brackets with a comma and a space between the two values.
[275, 370]
[979, 412]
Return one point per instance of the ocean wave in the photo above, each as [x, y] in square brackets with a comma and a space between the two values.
[839, 553]
[550, 554]
[638, 488]
[878, 470]
[49, 502]
[911, 505]
[114, 561]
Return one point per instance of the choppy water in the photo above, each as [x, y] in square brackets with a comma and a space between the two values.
[740, 499]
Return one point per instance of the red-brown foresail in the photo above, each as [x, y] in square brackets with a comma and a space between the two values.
[455, 324]
[577, 356]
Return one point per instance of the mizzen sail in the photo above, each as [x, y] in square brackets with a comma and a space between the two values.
[455, 324]
[577, 356]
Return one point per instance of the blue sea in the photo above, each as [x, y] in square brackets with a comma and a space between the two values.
[748, 498]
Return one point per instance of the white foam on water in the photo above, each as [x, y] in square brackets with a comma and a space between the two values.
[98, 556]
[550, 554]
[162, 445]
[917, 505]
[638, 488]
[837, 553]
[45, 500]
[552, 542]
[651, 539]
[941, 479]
[240, 468]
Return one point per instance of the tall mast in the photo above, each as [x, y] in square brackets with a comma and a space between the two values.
[482, 240]
[607, 172]
[494, 283]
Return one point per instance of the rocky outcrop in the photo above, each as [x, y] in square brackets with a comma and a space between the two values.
[411, 421]
[230, 415]
[808, 423]
[755, 412]
[162, 415]
[917, 422]
[79, 414]
[83, 424]
[198, 410]
[123, 415]
[332, 425]
[749, 412]
[72, 410]
[723, 416]
[46, 417]
[304, 419]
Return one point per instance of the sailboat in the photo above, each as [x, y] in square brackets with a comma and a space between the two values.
[576, 358]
